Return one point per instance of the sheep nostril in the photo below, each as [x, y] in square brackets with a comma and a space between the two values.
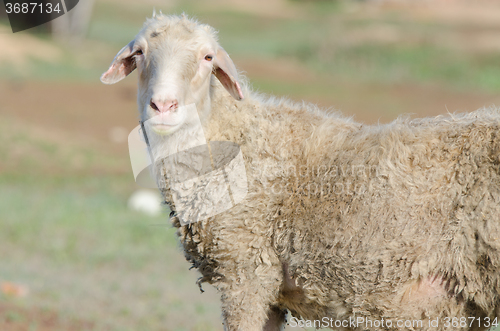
[153, 105]
[174, 105]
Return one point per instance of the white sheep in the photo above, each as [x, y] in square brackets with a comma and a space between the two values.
[345, 225]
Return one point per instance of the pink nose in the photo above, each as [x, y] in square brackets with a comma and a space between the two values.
[164, 106]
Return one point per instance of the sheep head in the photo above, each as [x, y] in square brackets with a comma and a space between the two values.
[175, 57]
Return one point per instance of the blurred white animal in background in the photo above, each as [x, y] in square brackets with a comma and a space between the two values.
[146, 201]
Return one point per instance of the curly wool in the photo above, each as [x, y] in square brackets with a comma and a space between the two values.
[358, 214]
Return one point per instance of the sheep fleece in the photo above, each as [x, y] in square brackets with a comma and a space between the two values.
[355, 215]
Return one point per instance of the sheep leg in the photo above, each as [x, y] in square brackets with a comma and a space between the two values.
[275, 320]
[247, 301]
[246, 311]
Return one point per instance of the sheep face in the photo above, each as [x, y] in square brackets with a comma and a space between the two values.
[175, 58]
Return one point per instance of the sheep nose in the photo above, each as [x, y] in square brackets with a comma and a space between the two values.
[164, 106]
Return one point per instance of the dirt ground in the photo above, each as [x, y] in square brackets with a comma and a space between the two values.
[16, 318]
[91, 111]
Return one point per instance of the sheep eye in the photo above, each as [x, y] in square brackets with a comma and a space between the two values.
[209, 57]
[138, 52]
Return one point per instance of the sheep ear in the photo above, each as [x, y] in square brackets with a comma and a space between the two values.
[122, 65]
[225, 71]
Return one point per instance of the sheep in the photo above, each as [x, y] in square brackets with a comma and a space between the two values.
[344, 225]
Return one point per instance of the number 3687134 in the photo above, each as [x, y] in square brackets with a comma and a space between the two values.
[31, 8]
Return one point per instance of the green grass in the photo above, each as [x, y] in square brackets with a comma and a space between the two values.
[94, 226]
[402, 64]
[83, 253]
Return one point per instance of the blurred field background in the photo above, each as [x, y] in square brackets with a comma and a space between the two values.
[72, 255]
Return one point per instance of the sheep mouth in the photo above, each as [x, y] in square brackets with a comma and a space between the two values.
[166, 119]
[162, 122]
[163, 128]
